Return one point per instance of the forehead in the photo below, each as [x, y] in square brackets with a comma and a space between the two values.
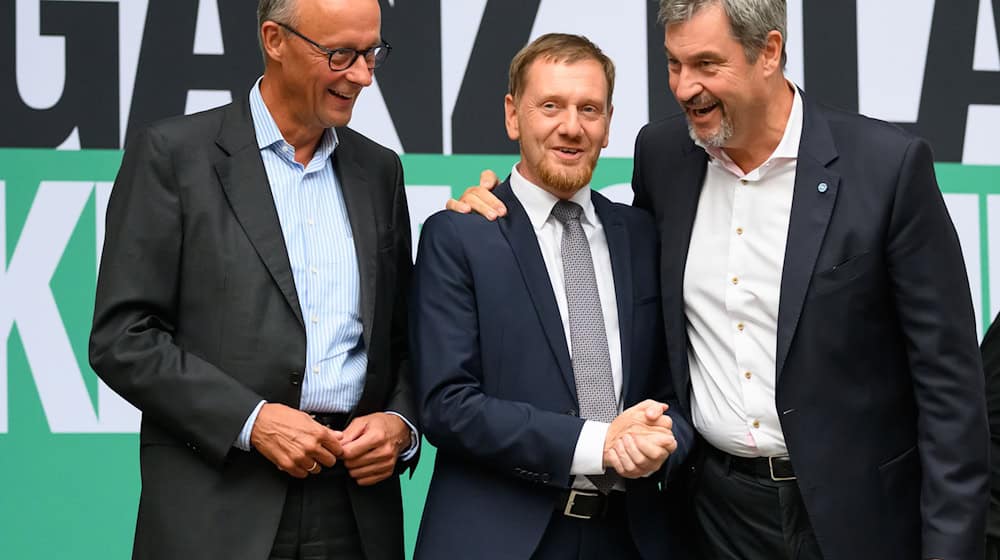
[708, 30]
[583, 78]
[340, 20]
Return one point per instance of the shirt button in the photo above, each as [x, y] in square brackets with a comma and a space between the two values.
[313, 270]
[314, 319]
[315, 369]
[739, 231]
[310, 221]
[743, 181]
[739, 327]
[748, 375]
[736, 280]
[756, 424]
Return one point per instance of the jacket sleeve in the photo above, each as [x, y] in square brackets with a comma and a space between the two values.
[132, 342]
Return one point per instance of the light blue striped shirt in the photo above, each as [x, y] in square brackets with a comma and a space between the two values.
[320, 245]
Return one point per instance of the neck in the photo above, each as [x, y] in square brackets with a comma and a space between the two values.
[302, 137]
[764, 138]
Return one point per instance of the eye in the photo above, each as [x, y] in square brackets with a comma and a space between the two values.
[549, 106]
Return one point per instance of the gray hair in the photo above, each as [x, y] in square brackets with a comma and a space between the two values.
[280, 11]
[750, 20]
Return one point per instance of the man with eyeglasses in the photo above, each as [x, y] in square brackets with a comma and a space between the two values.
[251, 302]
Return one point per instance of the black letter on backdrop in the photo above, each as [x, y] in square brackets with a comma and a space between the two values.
[950, 83]
[89, 98]
[662, 103]
[478, 117]
[411, 80]
[168, 69]
[830, 52]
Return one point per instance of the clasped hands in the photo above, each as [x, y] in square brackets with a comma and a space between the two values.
[639, 440]
[368, 447]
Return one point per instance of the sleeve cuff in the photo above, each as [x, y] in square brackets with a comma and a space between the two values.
[243, 441]
[588, 458]
[414, 438]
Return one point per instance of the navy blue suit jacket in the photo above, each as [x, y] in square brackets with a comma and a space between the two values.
[495, 386]
[879, 381]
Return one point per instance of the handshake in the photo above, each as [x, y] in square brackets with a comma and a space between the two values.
[639, 440]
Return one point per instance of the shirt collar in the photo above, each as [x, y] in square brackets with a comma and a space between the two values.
[788, 147]
[538, 202]
[268, 134]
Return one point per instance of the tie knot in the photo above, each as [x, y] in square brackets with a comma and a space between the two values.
[566, 211]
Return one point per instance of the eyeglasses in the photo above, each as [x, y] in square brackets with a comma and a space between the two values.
[344, 57]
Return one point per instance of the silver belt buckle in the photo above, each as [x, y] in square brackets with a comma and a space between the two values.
[770, 466]
[568, 511]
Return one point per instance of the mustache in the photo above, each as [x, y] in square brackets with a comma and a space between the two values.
[703, 99]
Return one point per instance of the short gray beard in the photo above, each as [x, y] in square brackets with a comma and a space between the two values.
[717, 140]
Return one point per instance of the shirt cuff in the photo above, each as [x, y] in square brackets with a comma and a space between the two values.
[588, 458]
[243, 441]
[414, 438]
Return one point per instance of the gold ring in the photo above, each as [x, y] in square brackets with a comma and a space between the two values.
[314, 469]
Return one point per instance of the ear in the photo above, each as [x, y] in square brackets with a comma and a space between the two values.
[607, 127]
[771, 54]
[510, 117]
[272, 40]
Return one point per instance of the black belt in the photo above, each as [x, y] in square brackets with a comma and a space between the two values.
[590, 504]
[777, 468]
[333, 420]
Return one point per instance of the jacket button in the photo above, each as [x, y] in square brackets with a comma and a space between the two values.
[571, 412]
[295, 378]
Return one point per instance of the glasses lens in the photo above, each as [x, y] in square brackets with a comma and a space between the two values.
[341, 58]
[379, 54]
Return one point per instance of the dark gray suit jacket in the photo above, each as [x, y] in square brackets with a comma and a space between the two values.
[197, 320]
[879, 384]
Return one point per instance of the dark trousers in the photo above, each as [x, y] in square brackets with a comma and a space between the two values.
[748, 517]
[992, 548]
[317, 522]
[568, 538]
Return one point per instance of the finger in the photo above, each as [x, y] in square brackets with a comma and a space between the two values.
[330, 442]
[372, 456]
[381, 468]
[323, 456]
[654, 447]
[354, 430]
[627, 464]
[488, 179]
[613, 460]
[457, 206]
[477, 199]
[369, 481]
[291, 467]
[655, 410]
[360, 446]
[638, 458]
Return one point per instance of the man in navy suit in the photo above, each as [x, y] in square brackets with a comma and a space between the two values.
[530, 334]
[819, 325]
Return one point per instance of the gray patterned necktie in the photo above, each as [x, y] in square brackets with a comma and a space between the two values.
[595, 388]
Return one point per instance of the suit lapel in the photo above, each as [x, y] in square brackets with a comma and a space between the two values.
[361, 213]
[245, 183]
[813, 199]
[516, 227]
[621, 268]
[683, 185]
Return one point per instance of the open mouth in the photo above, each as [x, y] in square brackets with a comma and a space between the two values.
[568, 153]
[340, 95]
[702, 111]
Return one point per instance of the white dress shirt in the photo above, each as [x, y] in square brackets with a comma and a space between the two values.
[732, 284]
[588, 457]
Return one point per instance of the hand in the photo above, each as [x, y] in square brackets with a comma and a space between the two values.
[293, 440]
[639, 440]
[635, 456]
[479, 199]
[372, 443]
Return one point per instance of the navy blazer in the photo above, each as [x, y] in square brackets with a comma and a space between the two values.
[495, 387]
[879, 382]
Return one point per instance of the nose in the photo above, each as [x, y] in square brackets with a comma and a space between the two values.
[570, 124]
[684, 84]
[359, 72]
